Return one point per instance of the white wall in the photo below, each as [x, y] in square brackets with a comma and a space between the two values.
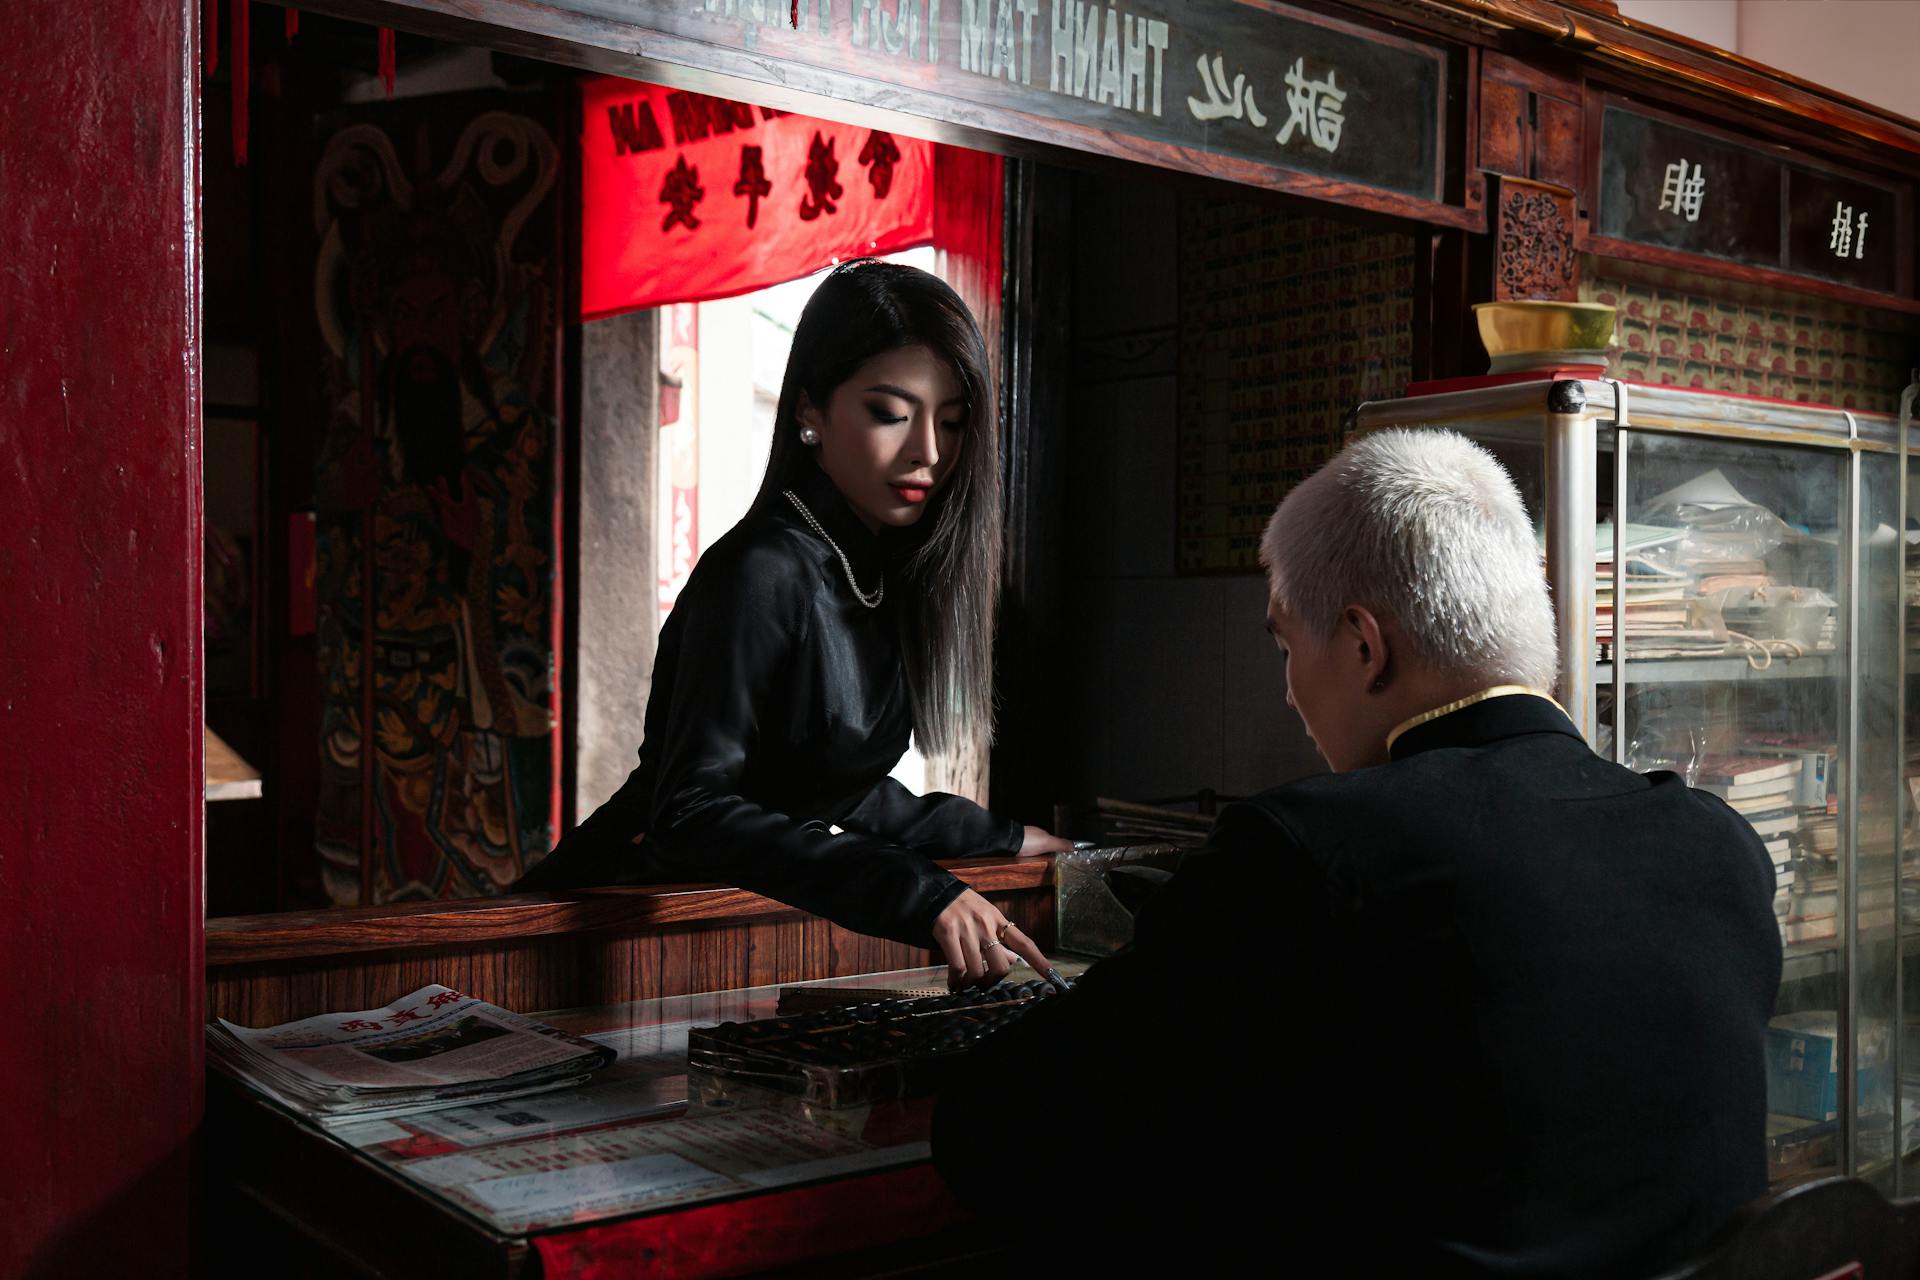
[1176, 684]
[1863, 48]
[1714, 22]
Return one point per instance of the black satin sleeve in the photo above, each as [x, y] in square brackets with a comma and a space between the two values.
[737, 647]
[937, 824]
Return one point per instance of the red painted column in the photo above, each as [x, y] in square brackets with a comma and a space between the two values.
[100, 653]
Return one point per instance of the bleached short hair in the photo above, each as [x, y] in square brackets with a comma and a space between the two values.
[1425, 527]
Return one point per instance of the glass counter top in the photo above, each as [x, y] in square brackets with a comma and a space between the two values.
[628, 1142]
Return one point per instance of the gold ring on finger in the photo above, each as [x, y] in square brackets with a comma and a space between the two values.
[1001, 935]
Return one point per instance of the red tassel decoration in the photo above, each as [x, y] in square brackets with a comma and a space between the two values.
[210, 34]
[293, 24]
[240, 29]
[796, 15]
[387, 58]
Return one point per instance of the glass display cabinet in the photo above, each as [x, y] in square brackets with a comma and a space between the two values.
[1727, 576]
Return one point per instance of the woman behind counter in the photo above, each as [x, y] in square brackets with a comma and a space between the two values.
[853, 604]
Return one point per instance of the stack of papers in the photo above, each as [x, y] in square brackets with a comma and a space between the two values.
[436, 1048]
[1651, 595]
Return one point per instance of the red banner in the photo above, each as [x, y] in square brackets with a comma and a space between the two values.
[686, 197]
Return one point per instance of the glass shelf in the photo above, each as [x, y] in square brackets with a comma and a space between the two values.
[1731, 667]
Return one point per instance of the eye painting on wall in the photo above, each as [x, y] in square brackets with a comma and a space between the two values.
[433, 290]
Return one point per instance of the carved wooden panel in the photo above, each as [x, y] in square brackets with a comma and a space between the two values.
[1533, 253]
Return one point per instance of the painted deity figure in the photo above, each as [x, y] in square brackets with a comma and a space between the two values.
[438, 457]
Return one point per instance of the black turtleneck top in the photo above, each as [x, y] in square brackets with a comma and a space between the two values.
[779, 706]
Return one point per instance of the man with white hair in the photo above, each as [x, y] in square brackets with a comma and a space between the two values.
[1476, 1002]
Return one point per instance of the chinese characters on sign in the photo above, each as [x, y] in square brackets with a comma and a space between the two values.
[681, 191]
[686, 196]
[822, 189]
[752, 182]
[1122, 68]
[1222, 104]
[878, 157]
[1314, 107]
[1846, 233]
[1682, 193]
[1669, 184]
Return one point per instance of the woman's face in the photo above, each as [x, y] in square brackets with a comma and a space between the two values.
[890, 434]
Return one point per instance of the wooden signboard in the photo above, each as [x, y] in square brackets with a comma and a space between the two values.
[1251, 91]
[1675, 186]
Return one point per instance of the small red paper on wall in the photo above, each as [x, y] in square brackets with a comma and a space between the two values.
[686, 197]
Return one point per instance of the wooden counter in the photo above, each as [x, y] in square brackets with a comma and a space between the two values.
[541, 951]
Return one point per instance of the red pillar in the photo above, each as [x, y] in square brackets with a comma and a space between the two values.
[100, 651]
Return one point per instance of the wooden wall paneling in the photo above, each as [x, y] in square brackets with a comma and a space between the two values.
[621, 967]
[1557, 140]
[1505, 139]
[720, 956]
[764, 948]
[672, 955]
[1463, 182]
[1530, 121]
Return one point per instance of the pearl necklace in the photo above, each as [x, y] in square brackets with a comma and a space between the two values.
[871, 601]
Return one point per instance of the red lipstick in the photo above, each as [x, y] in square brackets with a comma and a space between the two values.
[911, 493]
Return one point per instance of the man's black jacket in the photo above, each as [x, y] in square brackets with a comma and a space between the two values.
[1495, 1007]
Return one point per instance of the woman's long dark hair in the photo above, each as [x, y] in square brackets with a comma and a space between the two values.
[951, 557]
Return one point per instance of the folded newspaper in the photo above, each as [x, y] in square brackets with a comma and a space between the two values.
[435, 1048]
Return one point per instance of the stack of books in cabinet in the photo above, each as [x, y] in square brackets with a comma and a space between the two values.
[1765, 790]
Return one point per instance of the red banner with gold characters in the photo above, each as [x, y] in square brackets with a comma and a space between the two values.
[686, 197]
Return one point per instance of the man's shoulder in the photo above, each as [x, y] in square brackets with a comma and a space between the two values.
[1458, 806]
[1295, 808]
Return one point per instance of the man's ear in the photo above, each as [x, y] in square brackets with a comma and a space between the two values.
[1368, 640]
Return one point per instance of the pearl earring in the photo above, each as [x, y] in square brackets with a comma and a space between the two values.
[809, 436]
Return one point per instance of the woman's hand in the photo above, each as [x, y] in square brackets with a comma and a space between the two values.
[1039, 840]
[981, 944]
